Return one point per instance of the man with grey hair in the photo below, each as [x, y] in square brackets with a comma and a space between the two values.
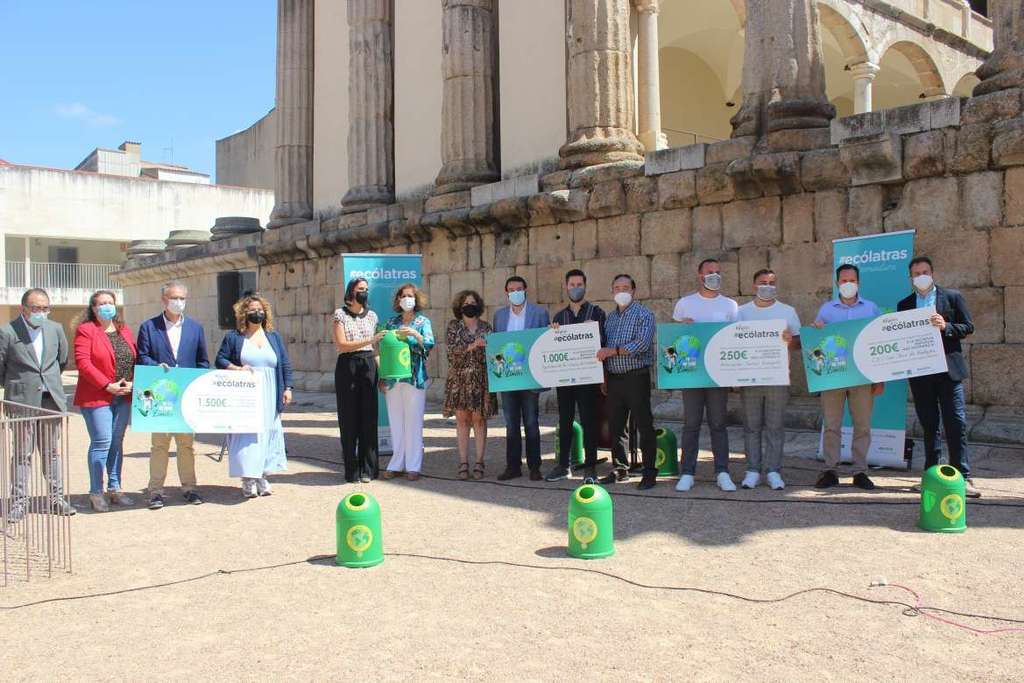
[172, 340]
[33, 353]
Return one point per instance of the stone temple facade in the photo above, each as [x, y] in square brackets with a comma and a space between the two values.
[791, 178]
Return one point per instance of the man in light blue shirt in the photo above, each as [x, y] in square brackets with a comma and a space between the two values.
[848, 306]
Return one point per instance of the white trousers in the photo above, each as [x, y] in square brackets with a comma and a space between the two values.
[406, 405]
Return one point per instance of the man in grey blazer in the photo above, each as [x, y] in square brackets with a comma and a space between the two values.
[520, 407]
[33, 353]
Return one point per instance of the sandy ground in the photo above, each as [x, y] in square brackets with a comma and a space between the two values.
[532, 613]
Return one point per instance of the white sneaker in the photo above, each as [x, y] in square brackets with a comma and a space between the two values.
[263, 487]
[248, 487]
[725, 482]
[685, 483]
[775, 481]
[751, 479]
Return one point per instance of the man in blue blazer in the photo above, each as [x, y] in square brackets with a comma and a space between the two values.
[172, 340]
[520, 407]
[942, 394]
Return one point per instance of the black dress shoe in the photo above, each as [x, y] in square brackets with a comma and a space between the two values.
[510, 474]
[826, 480]
[863, 481]
[648, 481]
[617, 475]
[535, 475]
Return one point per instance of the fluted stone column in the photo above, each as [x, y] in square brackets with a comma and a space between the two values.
[649, 76]
[1004, 68]
[371, 97]
[863, 76]
[600, 85]
[469, 112]
[783, 74]
[293, 153]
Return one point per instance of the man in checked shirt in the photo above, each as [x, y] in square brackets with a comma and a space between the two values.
[627, 358]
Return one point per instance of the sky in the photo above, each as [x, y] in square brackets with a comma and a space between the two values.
[175, 76]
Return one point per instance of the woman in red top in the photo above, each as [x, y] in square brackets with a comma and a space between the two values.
[105, 355]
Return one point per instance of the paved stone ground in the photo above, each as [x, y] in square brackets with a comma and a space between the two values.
[477, 584]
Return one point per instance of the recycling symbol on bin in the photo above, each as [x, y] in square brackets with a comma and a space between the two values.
[584, 530]
[951, 507]
[659, 460]
[359, 538]
[404, 358]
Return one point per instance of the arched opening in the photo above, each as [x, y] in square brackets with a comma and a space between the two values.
[907, 74]
[841, 46]
[965, 86]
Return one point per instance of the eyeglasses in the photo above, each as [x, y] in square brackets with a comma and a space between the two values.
[38, 309]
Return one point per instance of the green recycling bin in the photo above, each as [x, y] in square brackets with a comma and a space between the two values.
[591, 528]
[358, 531]
[943, 503]
[667, 460]
[576, 450]
[395, 357]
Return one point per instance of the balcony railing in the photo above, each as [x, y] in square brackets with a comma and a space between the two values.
[90, 276]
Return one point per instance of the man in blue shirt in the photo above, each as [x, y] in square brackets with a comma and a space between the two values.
[627, 358]
[861, 399]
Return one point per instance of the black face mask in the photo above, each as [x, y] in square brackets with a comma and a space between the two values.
[362, 298]
[471, 310]
[256, 317]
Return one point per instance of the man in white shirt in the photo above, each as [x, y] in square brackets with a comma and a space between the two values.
[764, 408]
[706, 305]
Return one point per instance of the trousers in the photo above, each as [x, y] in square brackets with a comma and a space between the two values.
[355, 388]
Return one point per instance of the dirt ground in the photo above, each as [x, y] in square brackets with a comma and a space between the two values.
[477, 585]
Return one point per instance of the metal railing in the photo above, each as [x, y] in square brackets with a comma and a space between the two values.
[90, 276]
[678, 137]
[35, 522]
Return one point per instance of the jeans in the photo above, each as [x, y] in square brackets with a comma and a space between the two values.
[106, 425]
[585, 397]
[935, 395]
[521, 407]
[715, 401]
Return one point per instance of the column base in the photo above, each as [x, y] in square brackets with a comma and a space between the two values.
[799, 113]
[653, 140]
[366, 196]
[1000, 72]
[456, 177]
[289, 213]
[601, 146]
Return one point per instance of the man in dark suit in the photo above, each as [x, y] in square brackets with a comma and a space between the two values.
[172, 340]
[942, 394]
[33, 353]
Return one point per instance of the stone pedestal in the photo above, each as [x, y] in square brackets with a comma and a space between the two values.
[469, 148]
[600, 85]
[371, 96]
[783, 75]
[1004, 68]
[293, 154]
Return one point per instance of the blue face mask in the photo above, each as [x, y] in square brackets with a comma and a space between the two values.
[106, 311]
[38, 319]
[517, 297]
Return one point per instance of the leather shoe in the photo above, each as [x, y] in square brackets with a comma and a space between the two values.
[826, 480]
[648, 481]
[535, 475]
[510, 474]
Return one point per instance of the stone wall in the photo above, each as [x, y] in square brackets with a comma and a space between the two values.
[246, 158]
[942, 168]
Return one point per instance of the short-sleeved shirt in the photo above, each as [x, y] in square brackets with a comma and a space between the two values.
[701, 309]
[358, 326]
[777, 311]
[835, 311]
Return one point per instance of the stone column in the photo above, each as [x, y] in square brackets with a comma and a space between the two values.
[649, 91]
[371, 97]
[783, 74]
[1004, 68]
[863, 75]
[600, 85]
[293, 153]
[469, 111]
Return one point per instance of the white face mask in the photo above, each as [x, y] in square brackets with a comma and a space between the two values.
[923, 283]
[623, 299]
[848, 290]
[713, 281]
[407, 303]
[176, 306]
[766, 292]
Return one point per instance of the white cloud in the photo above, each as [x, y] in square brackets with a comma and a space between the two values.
[80, 112]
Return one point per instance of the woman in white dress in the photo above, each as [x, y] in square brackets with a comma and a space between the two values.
[255, 347]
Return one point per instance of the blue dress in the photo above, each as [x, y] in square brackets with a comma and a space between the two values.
[253, 455]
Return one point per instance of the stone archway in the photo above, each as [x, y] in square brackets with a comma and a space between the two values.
[924, 65]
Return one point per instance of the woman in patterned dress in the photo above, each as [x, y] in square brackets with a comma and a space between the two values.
[465, 390]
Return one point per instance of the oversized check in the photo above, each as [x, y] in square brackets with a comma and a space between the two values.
[544, 357]
[204, 401]
[740, 354]
[891, 346]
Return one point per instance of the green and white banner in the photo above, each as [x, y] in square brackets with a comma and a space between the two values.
[544, 357]
[186, 400]
[883, 260]
[740, 354]
[890, 347]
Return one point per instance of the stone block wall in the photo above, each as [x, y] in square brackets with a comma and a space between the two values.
[953, 170]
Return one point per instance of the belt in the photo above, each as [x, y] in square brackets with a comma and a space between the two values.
[646, 369]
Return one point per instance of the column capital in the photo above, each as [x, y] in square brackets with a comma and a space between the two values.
[647, 6]
[865, 70]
